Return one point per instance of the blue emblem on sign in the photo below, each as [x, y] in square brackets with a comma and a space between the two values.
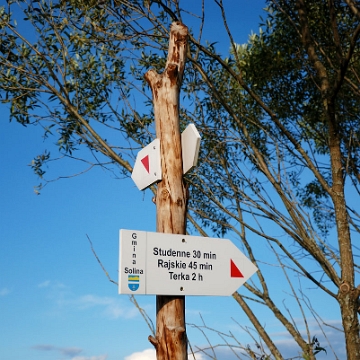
[133, 282]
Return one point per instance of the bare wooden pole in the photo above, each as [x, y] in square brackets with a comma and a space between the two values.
[171, 198]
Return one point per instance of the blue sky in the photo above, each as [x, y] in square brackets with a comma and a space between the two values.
[55, 300]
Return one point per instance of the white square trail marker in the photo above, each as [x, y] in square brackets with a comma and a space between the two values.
[171, 264]
[190, 145]
[147, 168]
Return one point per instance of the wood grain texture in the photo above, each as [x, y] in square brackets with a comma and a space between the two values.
[171, 198]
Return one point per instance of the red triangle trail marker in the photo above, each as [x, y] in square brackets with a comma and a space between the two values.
[147, 168]
[145, 162]
[234, 271]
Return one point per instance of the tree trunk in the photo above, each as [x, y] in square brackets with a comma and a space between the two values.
[171, 199]
[348, 295]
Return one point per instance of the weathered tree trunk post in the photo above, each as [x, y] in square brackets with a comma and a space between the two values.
[170, 342]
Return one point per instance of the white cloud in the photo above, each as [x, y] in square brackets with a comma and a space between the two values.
[109, 307]
[100, 357]
[67, 352]
[4, 291]
[198, 356]
[44, 347]
[112, 308]
[150, 354]
[70, 351]
[44, 284]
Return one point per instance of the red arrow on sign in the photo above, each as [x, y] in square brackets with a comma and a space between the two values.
[234, 270]
[145, 162]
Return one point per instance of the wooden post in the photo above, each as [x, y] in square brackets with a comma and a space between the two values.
[171, 198]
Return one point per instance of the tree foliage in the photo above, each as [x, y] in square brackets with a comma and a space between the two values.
[279, 119]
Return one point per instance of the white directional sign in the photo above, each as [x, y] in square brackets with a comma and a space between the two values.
[169, 264]
[190, 145]
[147, 168]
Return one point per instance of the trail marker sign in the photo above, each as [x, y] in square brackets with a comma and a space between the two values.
[171, 264]
[147, 168]
[190, 145]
